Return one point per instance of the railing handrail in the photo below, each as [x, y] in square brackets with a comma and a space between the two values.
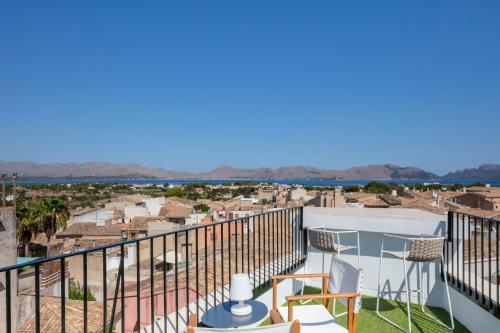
[474, 216]
[135, 240]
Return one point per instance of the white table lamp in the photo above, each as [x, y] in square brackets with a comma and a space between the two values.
[241, 291]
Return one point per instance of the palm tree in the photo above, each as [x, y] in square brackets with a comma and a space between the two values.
[26, 226]
[53, 215]
[46, 215]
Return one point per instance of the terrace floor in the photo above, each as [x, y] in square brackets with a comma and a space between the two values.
[368, 321]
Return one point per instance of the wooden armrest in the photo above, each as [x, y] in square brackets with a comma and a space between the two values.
[321, 296]
[276, 317]
[300, 276]
[275, 278]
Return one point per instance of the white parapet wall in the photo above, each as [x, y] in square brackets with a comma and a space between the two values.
[372, 224]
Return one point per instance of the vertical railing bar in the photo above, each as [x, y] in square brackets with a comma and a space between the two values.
[85, 294]
[498, 266]
[214, 268]
[176, 261]
[122, 250]
[469, 253]
[63, 296]
[289, 240]
[258, 235]
[186, 235]
[268, 216]
[483, 300]
[138, 284]
[104, 292]
[152, 282]
[489, 264]
[254, 253]
[236, 245]
[117, 286]
[292, 226]
[462, 280]
[37, 298]
[196, 235]
[475, 258]
[299, 239]
[206, 268]
[248, 245]
[8, 302]
[447, 247]
[164, 240]
[273, 219]
[264, 251]
[242, 223]
[453, 251]
[229, 236]
[222, 258]
[282, 238]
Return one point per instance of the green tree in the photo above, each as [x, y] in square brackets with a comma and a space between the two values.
[174, 192]
[45, 215]
[376, 187]
[75, 292]
[202, 208]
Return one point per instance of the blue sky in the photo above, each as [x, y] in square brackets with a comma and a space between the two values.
[193, 85]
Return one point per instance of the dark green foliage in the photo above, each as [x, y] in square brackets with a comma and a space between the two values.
[379, 188]
[174, 192]
[75, 292]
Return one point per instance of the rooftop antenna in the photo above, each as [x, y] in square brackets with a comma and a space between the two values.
[14, 191]
[4, 180]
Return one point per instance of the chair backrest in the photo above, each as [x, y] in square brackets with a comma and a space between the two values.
[289, 327]
[322, 240]
[427, 248]
[345, 278]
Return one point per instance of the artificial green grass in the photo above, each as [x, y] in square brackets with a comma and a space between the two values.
[369, 322]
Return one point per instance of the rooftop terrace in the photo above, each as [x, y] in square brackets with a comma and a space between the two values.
[154, 284]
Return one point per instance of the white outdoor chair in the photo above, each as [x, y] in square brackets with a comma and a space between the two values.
[343, 283]
[423, 249]
[291, 327]
[328, 241]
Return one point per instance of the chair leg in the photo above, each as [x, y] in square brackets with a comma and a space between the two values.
[448, 293]
[421, 286]
[452, 321]
[379, 278]
[380, 293]
[304, 282]
[407, 295]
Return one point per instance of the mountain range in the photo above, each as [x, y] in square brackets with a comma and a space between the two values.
[27, 169]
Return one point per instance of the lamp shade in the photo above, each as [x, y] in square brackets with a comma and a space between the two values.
[240, 288]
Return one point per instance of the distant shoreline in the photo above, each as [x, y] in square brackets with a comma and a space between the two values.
[295, 181]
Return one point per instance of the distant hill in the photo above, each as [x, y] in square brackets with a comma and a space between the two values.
[135, 171]
[85, 170]
[484, 171]
[381, 172]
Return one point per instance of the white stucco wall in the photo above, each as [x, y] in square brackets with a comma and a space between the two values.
[372, 223]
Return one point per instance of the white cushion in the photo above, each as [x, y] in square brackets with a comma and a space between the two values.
[313, 319]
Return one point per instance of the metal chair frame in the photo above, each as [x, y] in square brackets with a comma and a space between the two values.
[408, 292]
[336, 235]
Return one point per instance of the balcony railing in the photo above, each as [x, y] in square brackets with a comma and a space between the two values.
[472, 258]
[157, 281]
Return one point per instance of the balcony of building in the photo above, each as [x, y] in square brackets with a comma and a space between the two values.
[154, 284]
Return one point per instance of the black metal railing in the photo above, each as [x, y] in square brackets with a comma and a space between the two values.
[169, 275]
[472, 258]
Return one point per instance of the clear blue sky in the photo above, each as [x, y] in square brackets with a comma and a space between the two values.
[194, 85]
